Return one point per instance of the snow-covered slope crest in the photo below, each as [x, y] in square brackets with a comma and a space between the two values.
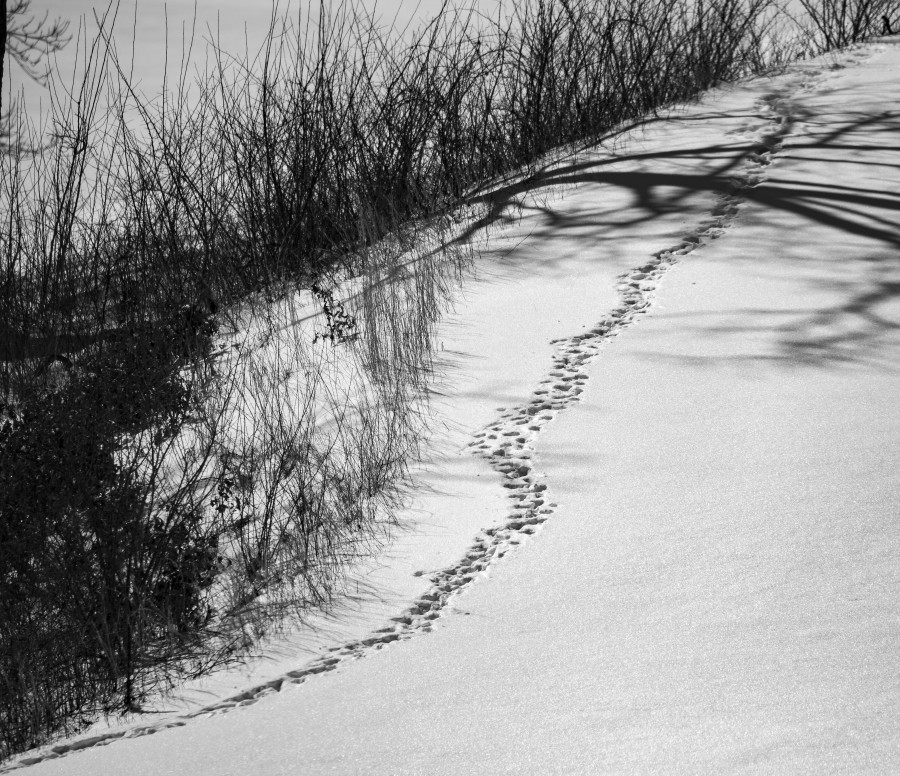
[706, 499]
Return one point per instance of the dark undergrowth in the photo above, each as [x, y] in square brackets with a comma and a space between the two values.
[181, 464]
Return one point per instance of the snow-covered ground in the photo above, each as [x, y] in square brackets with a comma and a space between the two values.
[661, 531]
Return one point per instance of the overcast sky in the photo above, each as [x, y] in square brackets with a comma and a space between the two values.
[236, 23]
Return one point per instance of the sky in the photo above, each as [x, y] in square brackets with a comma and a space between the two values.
[147, 25]
[151, 27]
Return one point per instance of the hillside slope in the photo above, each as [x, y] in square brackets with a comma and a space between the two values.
[694, 340]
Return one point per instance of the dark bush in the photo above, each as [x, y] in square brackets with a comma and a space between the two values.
[839, 23]
[98, 580]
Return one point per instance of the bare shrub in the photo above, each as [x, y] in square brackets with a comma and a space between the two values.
[842, 22]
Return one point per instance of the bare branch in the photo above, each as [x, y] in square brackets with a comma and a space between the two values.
[29, 41]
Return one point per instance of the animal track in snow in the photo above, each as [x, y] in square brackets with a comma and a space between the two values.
[561, 387]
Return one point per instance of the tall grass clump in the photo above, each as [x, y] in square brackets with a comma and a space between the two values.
[217, 306]
[838, 23]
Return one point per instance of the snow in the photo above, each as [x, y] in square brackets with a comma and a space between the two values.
[696, 354]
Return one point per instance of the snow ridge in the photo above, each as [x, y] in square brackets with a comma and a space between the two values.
[508, 443]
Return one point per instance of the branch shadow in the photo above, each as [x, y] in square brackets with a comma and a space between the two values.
[863, 150]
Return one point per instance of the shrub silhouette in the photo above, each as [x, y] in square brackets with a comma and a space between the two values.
[98, 582]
